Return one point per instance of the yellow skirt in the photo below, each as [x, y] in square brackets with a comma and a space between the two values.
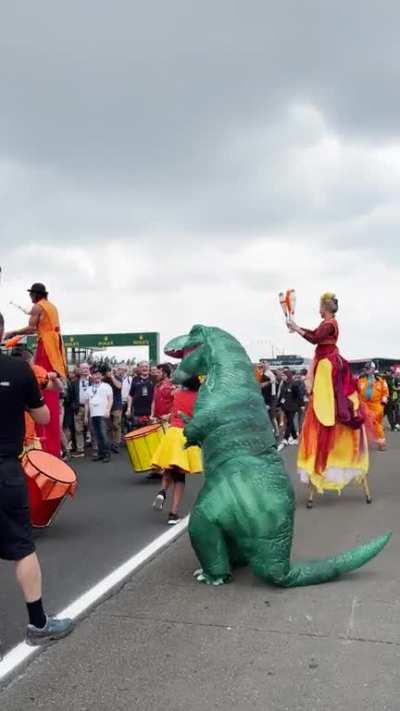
[171, 453]
[345, 450]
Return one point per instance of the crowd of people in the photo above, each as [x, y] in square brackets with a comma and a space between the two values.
[286, 395]
[100, 403]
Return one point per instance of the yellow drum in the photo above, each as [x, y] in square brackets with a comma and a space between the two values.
[142, 445]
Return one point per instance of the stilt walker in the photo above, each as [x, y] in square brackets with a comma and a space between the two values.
[333, 448]
[50, 354]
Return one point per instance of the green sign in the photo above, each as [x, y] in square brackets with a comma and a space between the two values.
[109, 340]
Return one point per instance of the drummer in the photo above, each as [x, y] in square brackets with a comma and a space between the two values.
[19, 391]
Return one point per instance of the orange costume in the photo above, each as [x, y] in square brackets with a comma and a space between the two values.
[374, 394]
[50, 344]
[50, 355]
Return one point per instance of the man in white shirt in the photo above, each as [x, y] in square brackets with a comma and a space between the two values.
[98, 407]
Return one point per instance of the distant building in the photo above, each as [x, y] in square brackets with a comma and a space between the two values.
[294, 362]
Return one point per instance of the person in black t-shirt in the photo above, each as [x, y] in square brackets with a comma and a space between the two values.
[19, 392]
[141, 394]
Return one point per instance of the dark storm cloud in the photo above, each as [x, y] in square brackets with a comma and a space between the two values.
[143, 121]
[145, 92]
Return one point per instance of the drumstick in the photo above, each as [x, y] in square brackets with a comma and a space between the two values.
[21, 308]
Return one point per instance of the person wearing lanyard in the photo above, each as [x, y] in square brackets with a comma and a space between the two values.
[19, 392]
[140, 396]
[98, 406]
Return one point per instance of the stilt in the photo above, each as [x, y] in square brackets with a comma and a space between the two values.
[310, 499]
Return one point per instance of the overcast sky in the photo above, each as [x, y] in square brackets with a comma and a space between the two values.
[168, 163]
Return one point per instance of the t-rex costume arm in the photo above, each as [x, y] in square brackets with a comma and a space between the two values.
[244, 513]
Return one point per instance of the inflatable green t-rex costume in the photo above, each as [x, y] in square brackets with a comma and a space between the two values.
[245, 511]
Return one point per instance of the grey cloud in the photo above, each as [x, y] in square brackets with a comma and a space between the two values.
[135, 121]
[145, 91]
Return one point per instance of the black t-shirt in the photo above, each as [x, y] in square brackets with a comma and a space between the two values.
[117, 393]
[141, 392]
[19, 391]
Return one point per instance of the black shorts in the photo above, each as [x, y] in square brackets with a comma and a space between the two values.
[177, 475]
[15, 527]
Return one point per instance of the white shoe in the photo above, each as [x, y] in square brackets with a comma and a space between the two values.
[159, 501]
[293, 441]
[281, 446]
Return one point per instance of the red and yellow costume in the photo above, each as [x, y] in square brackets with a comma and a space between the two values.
[50, 355]
[171, 451]
[374, 393]
[333, 447]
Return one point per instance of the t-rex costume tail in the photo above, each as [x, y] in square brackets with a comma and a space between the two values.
[245, 511]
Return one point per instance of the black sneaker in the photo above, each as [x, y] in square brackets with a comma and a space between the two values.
[53, 630]
[159, 501]
[115, 448]
[106, 459]
[173, 519]
[97, 458]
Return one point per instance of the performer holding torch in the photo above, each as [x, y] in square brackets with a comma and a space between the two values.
[50, 355]
[333, 448]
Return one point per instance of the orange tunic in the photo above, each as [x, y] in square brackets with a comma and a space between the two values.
[49, 333]
[374, 406]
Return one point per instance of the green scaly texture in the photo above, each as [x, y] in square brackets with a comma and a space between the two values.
[244, 513]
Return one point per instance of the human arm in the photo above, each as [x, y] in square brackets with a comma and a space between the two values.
[34, 318]
[115, 381]
[110, 399]
[385, 392]
[55, 382]
[130, 399]
[40, 415]
[129, 406]
[33, 398]
[325, 330]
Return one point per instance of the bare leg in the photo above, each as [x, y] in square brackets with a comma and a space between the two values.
[367, 492]
[177, 494]
[29, 577]
[165, 481]
[310, 500]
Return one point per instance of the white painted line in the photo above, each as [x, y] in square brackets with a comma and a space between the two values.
[22, 652]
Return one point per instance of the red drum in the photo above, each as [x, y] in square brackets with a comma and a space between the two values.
[49, 481]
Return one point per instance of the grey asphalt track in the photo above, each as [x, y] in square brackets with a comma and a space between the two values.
[163, 642]
[108, 521]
